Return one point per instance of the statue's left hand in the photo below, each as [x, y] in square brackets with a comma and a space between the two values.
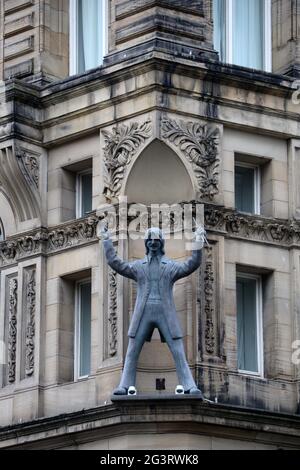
[102, 230]
[200, 235]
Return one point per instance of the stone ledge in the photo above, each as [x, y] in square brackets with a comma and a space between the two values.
[153, 414]
[126, 399]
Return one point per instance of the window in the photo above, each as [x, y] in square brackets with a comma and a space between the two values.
[247, 188]
[242, 32]
[84, 194]
[249, 324]
[87, 34]
[83, 329]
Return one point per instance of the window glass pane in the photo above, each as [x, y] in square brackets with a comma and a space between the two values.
[86, 193]
[85, 330]
[90, 37]
[246, 324]
[244, 189]
[248, 33]
[219, 11]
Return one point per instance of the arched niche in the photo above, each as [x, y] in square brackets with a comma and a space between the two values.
[7, 217]
[157, 176]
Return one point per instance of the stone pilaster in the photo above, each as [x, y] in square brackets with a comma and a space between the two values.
[286, 36]
[34, 39]
[182, 28]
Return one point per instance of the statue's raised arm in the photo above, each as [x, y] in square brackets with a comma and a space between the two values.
[193, 262]
[124, 268]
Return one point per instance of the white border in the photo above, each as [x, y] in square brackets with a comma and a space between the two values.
[77, 345]
[259, 324]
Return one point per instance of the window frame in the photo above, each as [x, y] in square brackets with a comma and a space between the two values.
[267, 52]
[73, 34]
[79, 174]
[259, 323]
[77, 344]
[257, 186]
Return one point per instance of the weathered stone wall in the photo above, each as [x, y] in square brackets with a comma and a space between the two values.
[34, 39]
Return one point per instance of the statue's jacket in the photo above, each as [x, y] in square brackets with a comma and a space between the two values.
[170, 272]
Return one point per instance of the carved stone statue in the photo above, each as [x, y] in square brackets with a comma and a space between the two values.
[155, 276]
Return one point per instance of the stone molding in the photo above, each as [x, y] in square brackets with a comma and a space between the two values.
[12, 330]
[112, 314]
[226, 222]
[45, 241]
[209, 307]
[252, 227]
[30, 308]
[164, 414]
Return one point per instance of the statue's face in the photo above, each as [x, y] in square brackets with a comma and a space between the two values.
[153, 245]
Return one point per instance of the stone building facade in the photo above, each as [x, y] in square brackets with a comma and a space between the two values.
[167, 117]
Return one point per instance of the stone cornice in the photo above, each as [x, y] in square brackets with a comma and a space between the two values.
[213, 74]
[253, 79]
[140, 415]
[258, 81]
[218, 220]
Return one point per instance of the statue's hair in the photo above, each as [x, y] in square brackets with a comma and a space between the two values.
[155, 232]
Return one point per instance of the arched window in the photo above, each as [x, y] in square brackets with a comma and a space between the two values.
[2, 234]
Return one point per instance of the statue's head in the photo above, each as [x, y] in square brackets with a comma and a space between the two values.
[154, 241]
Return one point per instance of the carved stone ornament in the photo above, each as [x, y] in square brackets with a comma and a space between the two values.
[29, 164]
[120, 146]
[18, 248]
[30, 322]
[252, 227]
[18, 182]
[12, 329]
[199, 144]
[112, 313]
[217, 219]
[72, 234]
[209, 283]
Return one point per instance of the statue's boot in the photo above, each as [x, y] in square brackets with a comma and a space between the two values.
[195, 391]
[120, 391]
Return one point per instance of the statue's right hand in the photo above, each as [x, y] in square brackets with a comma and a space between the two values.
[102, 230]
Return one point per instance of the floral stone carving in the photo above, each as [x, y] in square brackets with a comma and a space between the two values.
[120, 146]
[199, 144]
